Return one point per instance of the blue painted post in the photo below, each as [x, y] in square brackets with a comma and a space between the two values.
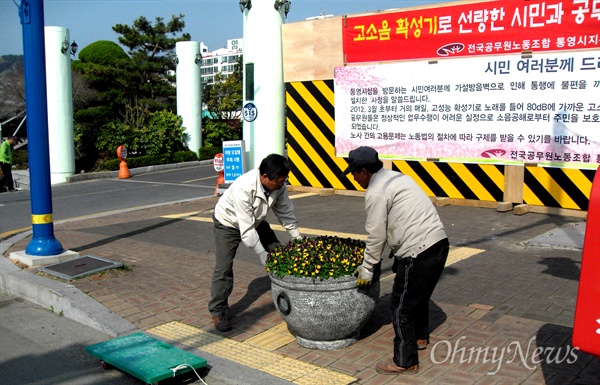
[43, 242]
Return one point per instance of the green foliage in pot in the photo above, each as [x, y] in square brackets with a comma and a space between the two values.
[320, 257]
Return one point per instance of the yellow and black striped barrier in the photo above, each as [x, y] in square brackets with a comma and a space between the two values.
[311, 150]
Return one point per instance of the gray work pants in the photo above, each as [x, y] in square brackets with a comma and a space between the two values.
[227, 240]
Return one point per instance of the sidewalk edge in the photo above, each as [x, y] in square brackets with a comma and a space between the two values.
[63, 299]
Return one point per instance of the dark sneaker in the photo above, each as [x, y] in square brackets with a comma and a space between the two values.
[222, 323]
[389, 367]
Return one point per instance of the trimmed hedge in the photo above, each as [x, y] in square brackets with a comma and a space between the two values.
[142, 161]
[185, 156]
[148, 160]
[205, 153]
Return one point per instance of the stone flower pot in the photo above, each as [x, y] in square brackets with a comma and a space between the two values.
[324, 314]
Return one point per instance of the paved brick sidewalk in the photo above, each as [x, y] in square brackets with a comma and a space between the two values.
[490, 311]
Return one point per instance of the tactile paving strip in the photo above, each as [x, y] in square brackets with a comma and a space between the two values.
[273, 338]
[289, 369]
[457, 254]
[296, 371]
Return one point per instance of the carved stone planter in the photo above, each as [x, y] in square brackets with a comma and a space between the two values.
[326, 314]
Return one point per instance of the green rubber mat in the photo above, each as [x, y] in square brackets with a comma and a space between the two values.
[144, 357]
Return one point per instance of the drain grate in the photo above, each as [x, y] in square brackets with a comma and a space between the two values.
[79, 267]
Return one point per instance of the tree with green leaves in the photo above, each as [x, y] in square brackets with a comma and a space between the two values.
[223, 100]
[106, 69]
[159, 134]
[121, 82]
[151, 49]
[100, 88]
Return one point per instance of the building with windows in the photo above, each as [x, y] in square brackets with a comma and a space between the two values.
[221, 61]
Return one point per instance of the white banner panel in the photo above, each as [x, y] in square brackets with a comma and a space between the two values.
[510, 109]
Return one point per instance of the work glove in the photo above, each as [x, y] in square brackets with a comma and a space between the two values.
[364, 274]
[263, 257]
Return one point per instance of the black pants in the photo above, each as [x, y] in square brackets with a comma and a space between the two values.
[414, 283]
[227, 240]
[6, 180]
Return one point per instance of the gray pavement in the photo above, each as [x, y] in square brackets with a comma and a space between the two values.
[510, 280]
[39, 346]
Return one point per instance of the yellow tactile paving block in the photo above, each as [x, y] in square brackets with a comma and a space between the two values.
[454, 255]
[281, 328]
[185, 334]
[289, 369]
[323, 376]
[244, 354]
[459, 253]
[273, 338]
[270, 340]
[253, 356]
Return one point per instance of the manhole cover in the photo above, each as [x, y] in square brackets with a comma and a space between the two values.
[79, 267]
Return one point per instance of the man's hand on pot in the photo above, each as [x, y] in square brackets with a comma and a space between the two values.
[263, 257]
[364, 274]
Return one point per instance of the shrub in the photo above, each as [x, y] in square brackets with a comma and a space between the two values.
[184, 156]
[109, 165]
[157, 133]
[141, 161]
[208, 152]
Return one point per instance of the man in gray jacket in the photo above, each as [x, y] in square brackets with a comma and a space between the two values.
[400, 214]
[240, 217]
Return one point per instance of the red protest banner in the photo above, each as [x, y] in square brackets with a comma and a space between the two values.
[484, 28]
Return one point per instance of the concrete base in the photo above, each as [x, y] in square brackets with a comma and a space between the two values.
[504, 207]
[221, 188]
[569, 236]
[36, 260]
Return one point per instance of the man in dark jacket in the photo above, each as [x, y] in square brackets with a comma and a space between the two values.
[401, 215]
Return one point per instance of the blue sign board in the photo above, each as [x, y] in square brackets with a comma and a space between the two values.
[233, 159]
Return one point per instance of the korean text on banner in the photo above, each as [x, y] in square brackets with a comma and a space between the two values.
[472, 29]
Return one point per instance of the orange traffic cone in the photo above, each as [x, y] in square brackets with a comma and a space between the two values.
[123, 170]
[220, 180]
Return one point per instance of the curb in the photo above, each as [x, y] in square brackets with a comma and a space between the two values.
[63, 298]
[135, 171]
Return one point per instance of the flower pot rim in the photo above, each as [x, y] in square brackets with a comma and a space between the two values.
[346, 282]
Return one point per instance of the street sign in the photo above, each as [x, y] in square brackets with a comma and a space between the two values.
[122, 152]
[249, 112]
[233, 155]
[218, 162]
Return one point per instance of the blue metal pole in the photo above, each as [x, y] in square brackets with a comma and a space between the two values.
[43, 242]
